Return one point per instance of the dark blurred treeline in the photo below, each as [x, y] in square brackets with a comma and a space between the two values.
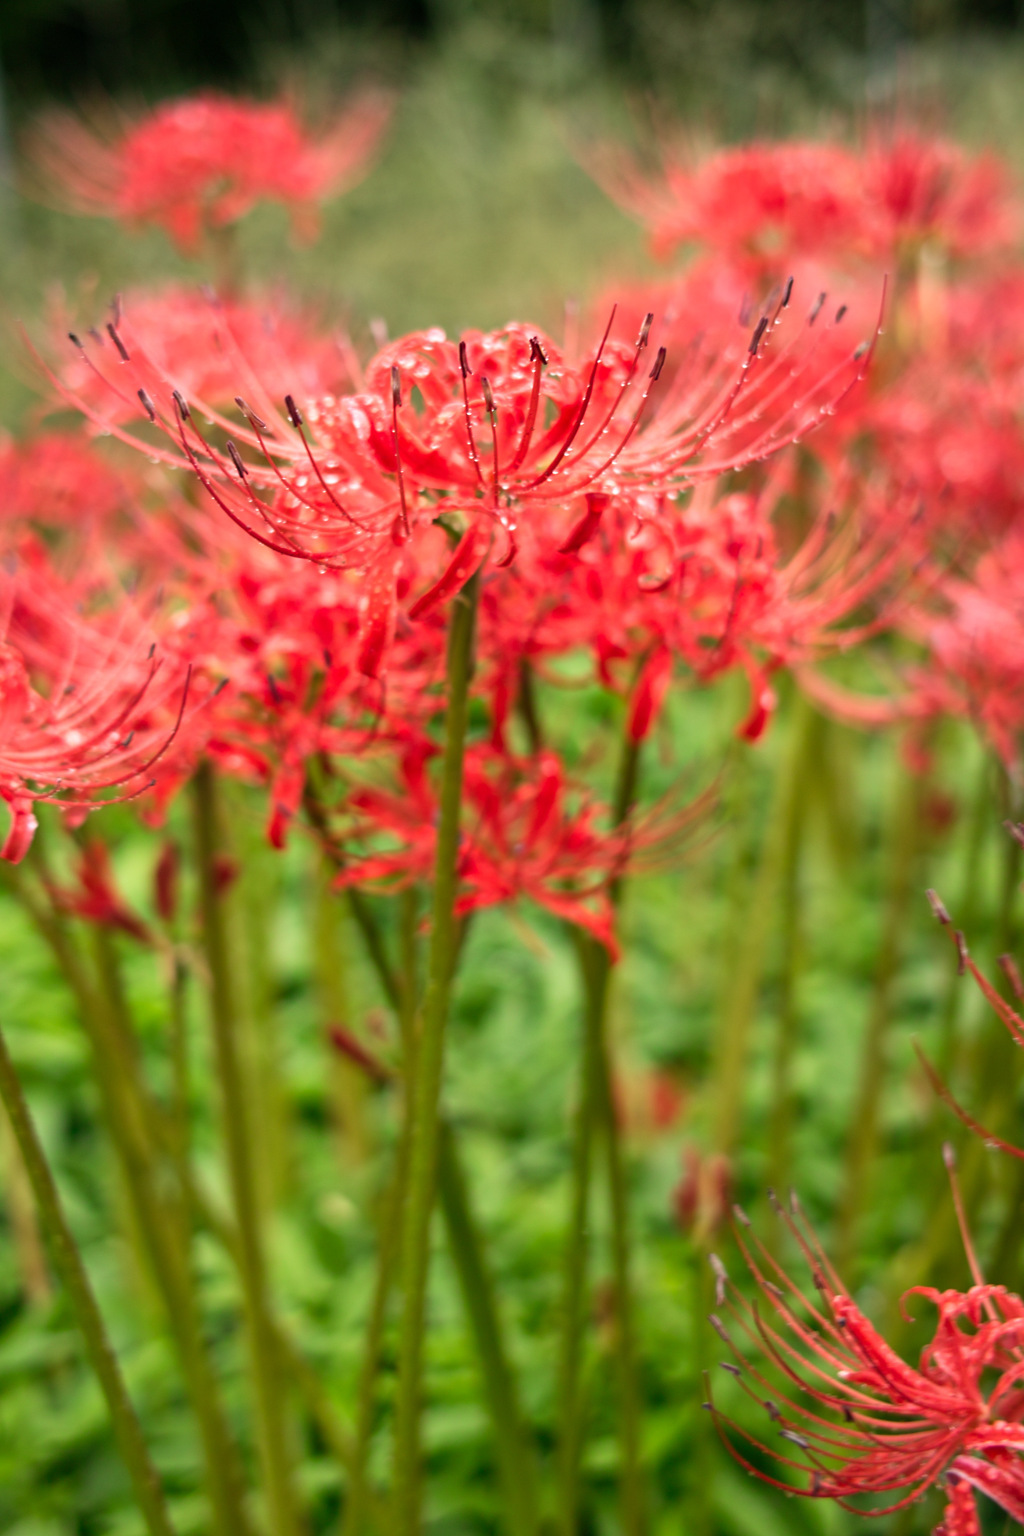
[77, 48]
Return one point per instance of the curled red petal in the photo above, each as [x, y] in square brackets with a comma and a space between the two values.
[649, 694]
[460, 568]
[587, 525]
[21, 831]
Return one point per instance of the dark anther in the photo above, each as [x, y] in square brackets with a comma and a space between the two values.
[847, 1413]
[721, 1278]
[181, 405]
[840, 312]
[860, 351]
[464, 360]
[727, 1365]
[147, 405]
[126, 743]
[759, 330]
[537, 351]
[772, 1410]
[118, 343]
[816, 308]
[250, 415]
[1008, 965]
[788, 294]
[938, 908]
[741, 1215]
[773, 1290]
[274, 693]
[236, 459]
[294, 414]
[719, 1327]
[75, 341]
[396, 387]
[485, 385]
[659, 363]
[773, 1201]
[961, 953]
[220, 686]
[1016, 831]
[819, 1281]
[645, 331]
[791, 1434]
[151, 652]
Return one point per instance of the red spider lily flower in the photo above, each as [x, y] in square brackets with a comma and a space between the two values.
[855, 1418]
[701, 1198]
[766, 203]
[434, 465]
[205, 161]
[95, 896]
[1006, 1013]
[527, 832]
[702, 585]
[214, 347]
[85, 704]
[60, 481]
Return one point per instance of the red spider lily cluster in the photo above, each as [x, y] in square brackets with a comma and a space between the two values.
[807, 438]
[204, 162]
[856, 1419]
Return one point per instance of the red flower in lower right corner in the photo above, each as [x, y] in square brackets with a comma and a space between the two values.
[856, 1418]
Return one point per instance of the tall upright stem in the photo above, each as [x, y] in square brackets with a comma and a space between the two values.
[269, 1394]
[429, 1066]
[68, 1263]
[596, 1112]
[132, 1120]
[904, 841]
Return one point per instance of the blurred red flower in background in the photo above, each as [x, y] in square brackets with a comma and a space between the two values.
[204, 161]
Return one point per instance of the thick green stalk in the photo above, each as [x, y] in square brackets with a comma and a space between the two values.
[570, 1393]
[429, 1065]
[596, 1113]
[806, 727]
[746, 973]
[903, 841]
[69, 1265]
[268, 1386]
[516, 1471]
[132, 1119]
[625, 1339]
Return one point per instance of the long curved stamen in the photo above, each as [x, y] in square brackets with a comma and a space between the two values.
[465, 371]
[492, 415]
[396, 401]
[581, 413]
[539, 359]
[631, 371]
[295, 417]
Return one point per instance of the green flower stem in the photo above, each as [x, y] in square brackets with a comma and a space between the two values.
[596, 1113]
[429, 1065]
[516, 1471]
[132, 1119]
[807, 732]
[68, 1262]
[904, 842]
[264, 1356]
[570, 1393]
[515, 1460]
[740, 1001]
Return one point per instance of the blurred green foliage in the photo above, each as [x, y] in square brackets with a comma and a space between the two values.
[478, 211]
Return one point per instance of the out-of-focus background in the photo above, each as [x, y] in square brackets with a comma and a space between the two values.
[479, 208]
